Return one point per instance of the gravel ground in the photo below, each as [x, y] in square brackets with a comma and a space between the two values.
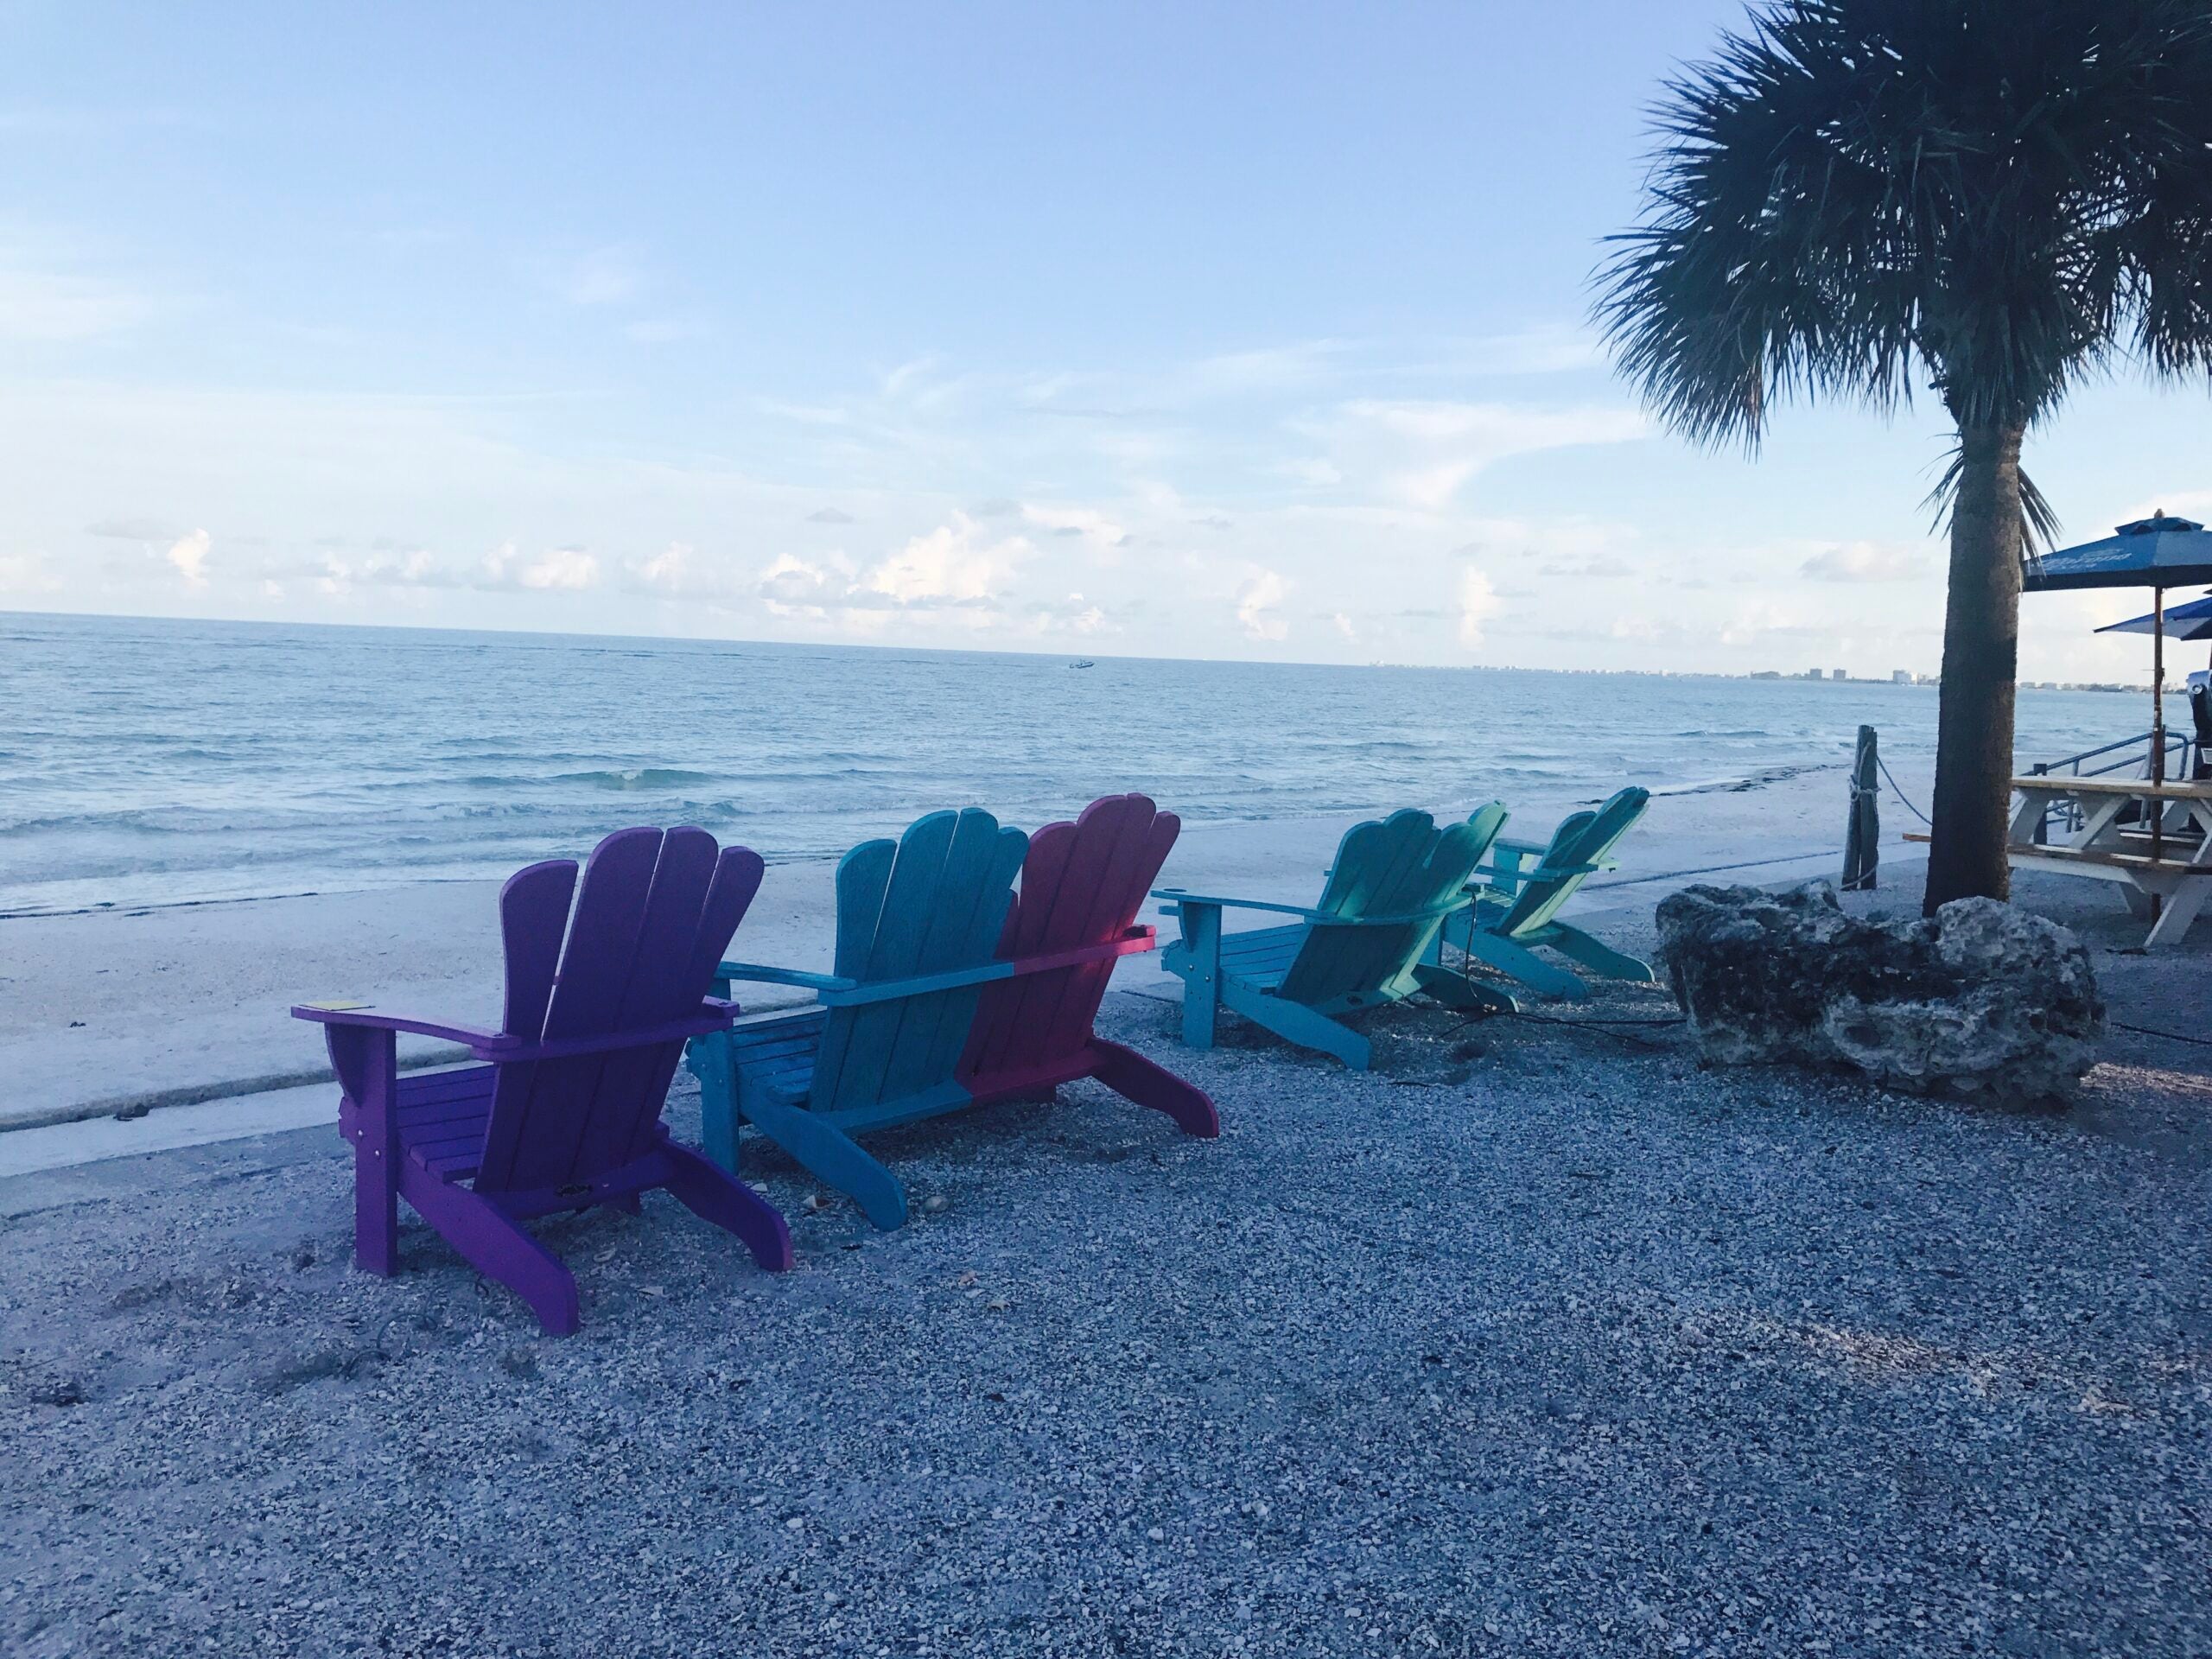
[1534, 1340]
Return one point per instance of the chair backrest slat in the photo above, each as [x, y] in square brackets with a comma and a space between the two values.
[653, 913]
[533, 920]
[737, 875]
[967, 911]
[933, 901]
[1082, 884]
[1587, 837]
[1400, 865]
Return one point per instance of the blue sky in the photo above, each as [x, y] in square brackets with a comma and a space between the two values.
[1209, 331]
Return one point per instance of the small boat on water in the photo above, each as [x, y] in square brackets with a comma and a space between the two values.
[1083, 662]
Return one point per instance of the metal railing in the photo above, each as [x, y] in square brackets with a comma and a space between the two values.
[2130, 752]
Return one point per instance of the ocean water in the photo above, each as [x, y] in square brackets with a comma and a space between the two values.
[147, 762]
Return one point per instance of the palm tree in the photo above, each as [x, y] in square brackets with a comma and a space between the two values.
[2002, 196]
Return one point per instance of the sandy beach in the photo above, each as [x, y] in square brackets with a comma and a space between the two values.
[1535, 1339]
[953, 511]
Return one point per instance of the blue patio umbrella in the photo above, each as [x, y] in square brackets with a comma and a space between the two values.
[2158, 553]
[2154, 552]
[2192, 620]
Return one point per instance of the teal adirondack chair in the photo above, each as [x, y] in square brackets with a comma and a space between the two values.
[948, 991]
[1518, 911]
[915, 917]
[1365, 944]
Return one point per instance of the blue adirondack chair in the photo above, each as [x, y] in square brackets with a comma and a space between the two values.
[1365, 944]
[1517, 912]
[565, 1111]
[948, 991]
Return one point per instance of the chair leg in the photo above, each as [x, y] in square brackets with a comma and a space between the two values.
[715, 1195]
[375, 1211]
[1599, 956]
[367, 1064]
[1526, 966]
[1197, 960]
[497, 1246]
[1296, 1023]
[829, 1154]
[1469, 995]
[707, 1059]
[1135, 1078]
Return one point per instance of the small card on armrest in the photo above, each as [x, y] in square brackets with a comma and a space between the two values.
[339, 1006]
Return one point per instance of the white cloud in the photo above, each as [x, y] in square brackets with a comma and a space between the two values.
[791, 585]
[1865, 561]
[1422, 452]
[131, 530]
[1761, 620]
[189, 555]
[564, 570]
[952, 564]
[1094, 527]
[672, 570]
[1344, 626]
[1257, 606]
[565, 567]
[1478, 602]
[26, 573]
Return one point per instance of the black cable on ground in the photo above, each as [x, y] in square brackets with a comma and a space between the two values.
[2171, 1036]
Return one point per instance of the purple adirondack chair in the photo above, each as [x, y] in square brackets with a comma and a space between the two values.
[566, 1112]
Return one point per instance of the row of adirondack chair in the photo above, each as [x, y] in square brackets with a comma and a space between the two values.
[1398, 890]
[950, 986]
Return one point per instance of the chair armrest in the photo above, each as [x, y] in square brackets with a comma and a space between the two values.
[1176, 896]
[713, 1014]
[368, 1015]
[1316, 918]
[1512, 877]
[1506, 843]
[761, 974]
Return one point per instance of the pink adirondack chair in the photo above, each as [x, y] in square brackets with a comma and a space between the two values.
[1082, 885]
[565, 1112]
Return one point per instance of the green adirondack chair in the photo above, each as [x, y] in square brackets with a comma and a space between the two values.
[1365, 944]
[1518, 912]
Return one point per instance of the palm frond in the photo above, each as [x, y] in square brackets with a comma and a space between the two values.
[2039, 523]
[2000, 196]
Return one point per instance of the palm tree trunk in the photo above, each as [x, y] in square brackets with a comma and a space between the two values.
[1981, 638]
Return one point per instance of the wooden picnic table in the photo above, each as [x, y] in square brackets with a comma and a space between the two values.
[2166, 887]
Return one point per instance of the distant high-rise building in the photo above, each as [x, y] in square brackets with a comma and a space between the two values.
[1839, 674]
[1900, 677]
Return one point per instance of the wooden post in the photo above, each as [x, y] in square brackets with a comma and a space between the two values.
[1862, 834]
